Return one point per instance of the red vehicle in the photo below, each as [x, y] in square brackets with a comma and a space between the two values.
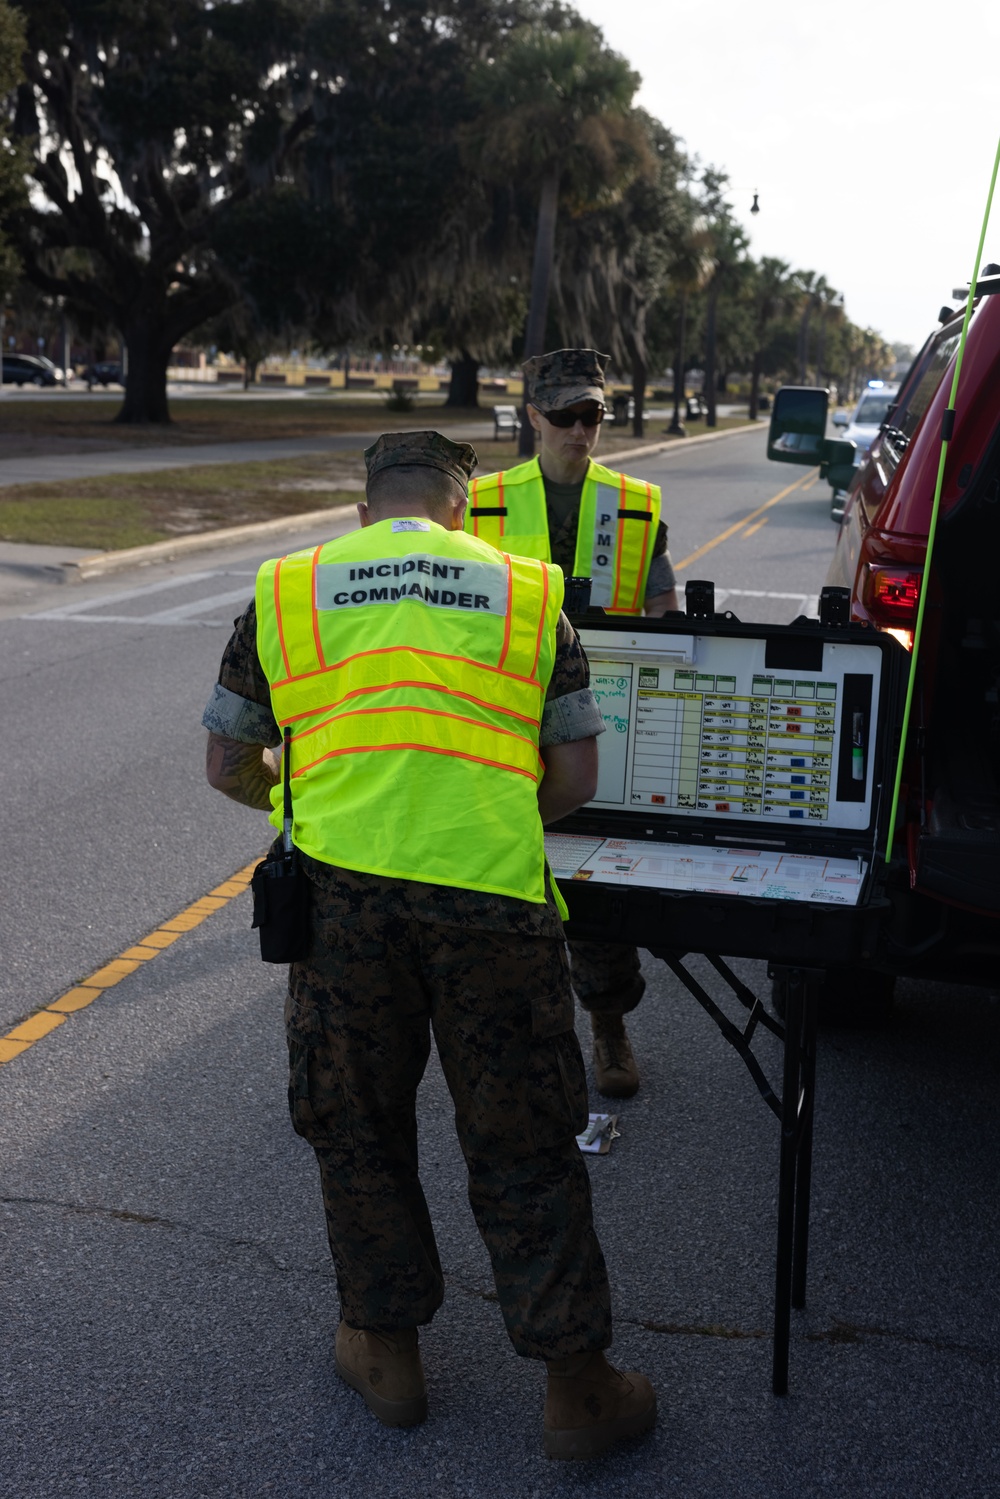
[944, 879]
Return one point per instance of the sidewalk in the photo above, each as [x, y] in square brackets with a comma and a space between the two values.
[50, 468]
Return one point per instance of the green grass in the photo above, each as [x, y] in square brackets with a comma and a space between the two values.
[126, 510]
[109, 523]
[89, 420]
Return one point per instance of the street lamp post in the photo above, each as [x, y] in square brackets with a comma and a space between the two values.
[677, 428]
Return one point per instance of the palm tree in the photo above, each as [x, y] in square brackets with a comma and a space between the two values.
[613, 261]
[556, 112]
[728, 252]
[774, 293]
[830, 309]
[689, 271]
[813, 289]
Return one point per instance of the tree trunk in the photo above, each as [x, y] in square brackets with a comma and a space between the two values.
[541, 276]
[709, 382]
[804, 343]
[148, 350]
[676, 428]
[755, 386]
[639, 373]
[821, 351]
[463, 389]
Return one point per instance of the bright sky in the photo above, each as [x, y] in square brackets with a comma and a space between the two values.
[868, 129]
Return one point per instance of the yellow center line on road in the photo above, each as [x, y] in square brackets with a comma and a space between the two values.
[732, 530]
[756, 526]
[46, 1019]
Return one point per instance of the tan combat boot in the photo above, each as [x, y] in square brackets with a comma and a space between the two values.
[589, 1405]
[614, 1064]
[385, 1369]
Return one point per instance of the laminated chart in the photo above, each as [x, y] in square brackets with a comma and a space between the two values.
[773, 875]
[743, 742]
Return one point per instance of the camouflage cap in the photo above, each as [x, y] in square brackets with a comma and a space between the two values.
[421, 450]
[563, 377]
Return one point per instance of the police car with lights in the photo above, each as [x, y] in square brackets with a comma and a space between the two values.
[862, 427]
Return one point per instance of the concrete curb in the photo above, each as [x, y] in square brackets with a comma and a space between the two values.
[103, 563]
[681, 444]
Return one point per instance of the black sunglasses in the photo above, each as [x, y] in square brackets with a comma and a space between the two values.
[592, 417]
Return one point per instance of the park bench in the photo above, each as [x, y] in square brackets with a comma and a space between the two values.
[506, 422]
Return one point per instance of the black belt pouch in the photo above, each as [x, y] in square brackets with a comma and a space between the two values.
[281, 890]
[281, 908]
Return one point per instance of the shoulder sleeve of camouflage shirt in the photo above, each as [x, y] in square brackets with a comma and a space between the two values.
[661, 576]
[240, 705]
[571, 710]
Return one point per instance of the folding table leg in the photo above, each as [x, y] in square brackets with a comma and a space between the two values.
[803, 1170]
[795, 1164]
[786, 1182]
[794, 1111]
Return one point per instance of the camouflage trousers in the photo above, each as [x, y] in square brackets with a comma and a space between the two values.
[359, 1018]
[606, 976]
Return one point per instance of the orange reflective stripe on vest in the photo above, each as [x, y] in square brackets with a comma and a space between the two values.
[616, 529]
[412, 667]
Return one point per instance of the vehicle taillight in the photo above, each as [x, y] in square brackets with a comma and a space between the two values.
[893, 595]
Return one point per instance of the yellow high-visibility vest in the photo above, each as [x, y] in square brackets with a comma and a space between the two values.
[411, 664]
[619, 517]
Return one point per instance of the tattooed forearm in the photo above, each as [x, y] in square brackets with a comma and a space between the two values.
[243, 772]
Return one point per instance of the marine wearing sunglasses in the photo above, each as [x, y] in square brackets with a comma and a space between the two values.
[588, 414]
[508, 510]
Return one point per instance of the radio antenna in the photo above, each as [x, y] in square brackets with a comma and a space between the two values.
[947, 427]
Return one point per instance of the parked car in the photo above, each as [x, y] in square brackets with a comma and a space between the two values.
[862, 427]
[30, 369]
[944, 870]
[106, 372]
[60, 374]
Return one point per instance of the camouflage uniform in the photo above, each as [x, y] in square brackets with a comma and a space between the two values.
[390, 962]
[359, 1014]
[606, 975]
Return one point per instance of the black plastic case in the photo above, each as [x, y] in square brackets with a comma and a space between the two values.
[795, 932]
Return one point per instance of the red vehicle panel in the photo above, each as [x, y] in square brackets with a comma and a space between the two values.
[946, 875]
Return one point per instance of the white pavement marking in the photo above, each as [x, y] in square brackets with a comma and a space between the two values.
[85, 611]
[82, 611]
[809, 601]
[183, 612]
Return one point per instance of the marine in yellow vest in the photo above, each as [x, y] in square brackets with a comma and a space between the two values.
[563, 506]
[440, 712]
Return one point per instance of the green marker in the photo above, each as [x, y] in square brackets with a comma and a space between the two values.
[857, 748]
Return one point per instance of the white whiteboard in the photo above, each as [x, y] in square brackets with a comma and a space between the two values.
[700, 726]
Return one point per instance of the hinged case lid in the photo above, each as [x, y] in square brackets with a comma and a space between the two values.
[739, 762]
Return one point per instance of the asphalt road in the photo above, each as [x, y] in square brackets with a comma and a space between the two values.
[167, 1299]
